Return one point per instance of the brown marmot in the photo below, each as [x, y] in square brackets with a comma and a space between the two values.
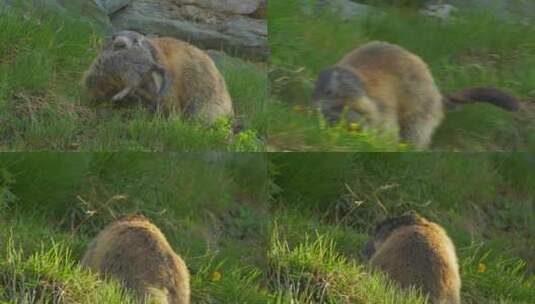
[385, 87]
[189, 81]
[136, 253]
[415, 252]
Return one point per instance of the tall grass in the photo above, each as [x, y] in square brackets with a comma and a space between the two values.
[52, 276]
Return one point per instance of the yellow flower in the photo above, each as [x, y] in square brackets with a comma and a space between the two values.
[353, 127]
[481, 268]
[216, 276]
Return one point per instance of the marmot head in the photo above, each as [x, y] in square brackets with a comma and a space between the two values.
[123, 40]
[337, 88]
[385, 228]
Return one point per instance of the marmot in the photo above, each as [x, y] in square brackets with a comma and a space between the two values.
[385, 87]
[133, 70]
[195, 87]
[415, 252]
[135, 252]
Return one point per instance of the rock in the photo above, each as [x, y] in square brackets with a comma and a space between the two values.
[112, 6]
[440, 11]
[238, 7]
[203, 23]
[505, 9]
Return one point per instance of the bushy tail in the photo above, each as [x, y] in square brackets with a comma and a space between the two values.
[482, 94]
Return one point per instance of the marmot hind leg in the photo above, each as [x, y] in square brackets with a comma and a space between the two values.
[419, 131]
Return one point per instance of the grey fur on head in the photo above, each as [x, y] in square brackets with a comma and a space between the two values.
[334, 88]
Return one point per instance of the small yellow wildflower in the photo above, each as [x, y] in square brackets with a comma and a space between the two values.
[216, 276]
[481, 268]
[353, 127]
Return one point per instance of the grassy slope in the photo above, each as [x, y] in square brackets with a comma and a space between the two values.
[42, 107]
[303, 245]
[477, 49]
[210, 214]
[485, 202]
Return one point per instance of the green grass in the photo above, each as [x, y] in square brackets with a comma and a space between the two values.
[254, 228]
[42, 104]
[475, 49]
[51, 276]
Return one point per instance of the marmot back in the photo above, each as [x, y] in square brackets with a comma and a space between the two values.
[198, 89]
[135, 252]
[416, 253]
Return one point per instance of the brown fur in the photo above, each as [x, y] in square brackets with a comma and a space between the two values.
[415, 252]
[386, 87]
[196, 87]
[135, 252]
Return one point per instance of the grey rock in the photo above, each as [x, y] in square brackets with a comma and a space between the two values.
[112, 6]
[505, 9]
[238, 35]
[239, 7]
[440, 11]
